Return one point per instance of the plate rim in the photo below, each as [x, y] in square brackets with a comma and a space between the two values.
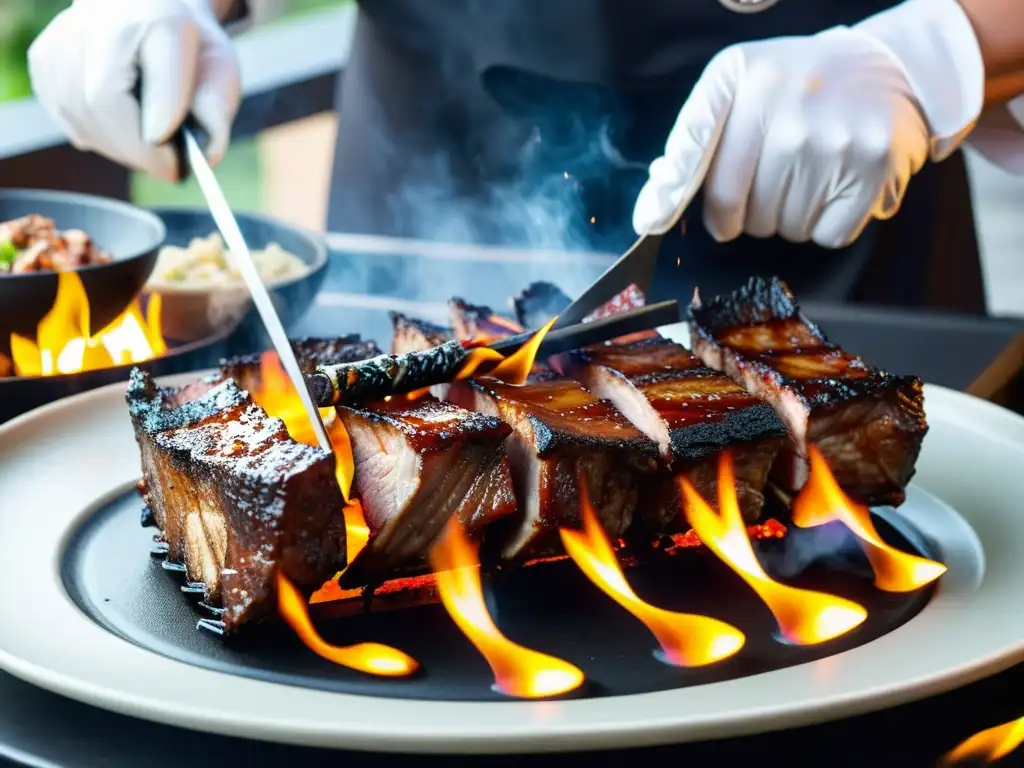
[520, 726]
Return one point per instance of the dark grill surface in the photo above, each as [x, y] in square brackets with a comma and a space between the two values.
[550, 607]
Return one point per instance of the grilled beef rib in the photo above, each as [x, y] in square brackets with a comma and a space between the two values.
[236, 498]
[868, 423]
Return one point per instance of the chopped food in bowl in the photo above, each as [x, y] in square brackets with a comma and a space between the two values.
[206, 263]
[33, 243]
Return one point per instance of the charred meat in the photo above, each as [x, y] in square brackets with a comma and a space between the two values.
[538, 303]
[868, 423]
[629, 298]
[477, 322]
[561, 432]
[414, 335]
[417, 464]
[34, 244]
[691, 411]
[247, 370]
[235, 497]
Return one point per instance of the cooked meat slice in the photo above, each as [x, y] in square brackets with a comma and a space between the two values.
[23, 231]
[43, 248]
[274, 393]
[868, 423]
[236, 498]
[691, 411]
[417, 464]
[311, 352]
[629, 298]
[538, 303]
[474, 321]
[414, 335]
[559, 431]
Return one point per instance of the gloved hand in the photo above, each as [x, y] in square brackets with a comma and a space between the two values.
[812, 137]
[85, 64]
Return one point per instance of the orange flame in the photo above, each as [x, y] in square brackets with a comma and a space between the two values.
[277, 396]
[372, 658]
[478, 356]
[686, 639]
[822, 501]
[804, 617]
[518, 671]
[515, 368]
[989, 745]
[63, 344]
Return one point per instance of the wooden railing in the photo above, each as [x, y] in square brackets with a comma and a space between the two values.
[289, 71]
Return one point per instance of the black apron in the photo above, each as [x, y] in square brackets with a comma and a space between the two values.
[531, 123]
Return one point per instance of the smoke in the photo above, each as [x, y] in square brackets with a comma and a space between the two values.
[545, 199]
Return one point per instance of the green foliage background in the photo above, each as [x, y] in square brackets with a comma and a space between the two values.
[22, 20]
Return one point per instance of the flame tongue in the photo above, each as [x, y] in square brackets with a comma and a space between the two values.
[277, 396]
[515, 368]
[63, 344]
[989, 745]
[478, 356]
[822, 501]
[687, 640]
[372, 658]
[518, 671]
[804, 617]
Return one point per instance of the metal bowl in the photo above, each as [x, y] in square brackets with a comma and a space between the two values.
[190, 312]
[129, 234]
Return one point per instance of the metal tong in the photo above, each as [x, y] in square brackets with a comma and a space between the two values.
[188, 144]
[385, 375]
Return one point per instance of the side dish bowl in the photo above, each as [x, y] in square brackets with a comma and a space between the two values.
[195, 310]
[129, 234]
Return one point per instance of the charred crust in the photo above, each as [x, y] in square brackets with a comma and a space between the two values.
[468, 310]
[431, 331]
[310, 353]
[538, 303]
[766, 300]
[221, 461]
[154, 409]
[320, 389]
[760, 300]
[550, 442]
[820, 395]
[697, 441]
[470, 319]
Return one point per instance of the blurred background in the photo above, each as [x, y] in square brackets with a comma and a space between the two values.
[284, 170]
[252, 170]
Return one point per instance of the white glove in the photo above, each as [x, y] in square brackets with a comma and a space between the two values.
[812, 137]
[85, 64]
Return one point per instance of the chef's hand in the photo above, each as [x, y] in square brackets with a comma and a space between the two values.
[85, 64]
[811, 137]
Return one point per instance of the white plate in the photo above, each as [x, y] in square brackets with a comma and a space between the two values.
[60, 461]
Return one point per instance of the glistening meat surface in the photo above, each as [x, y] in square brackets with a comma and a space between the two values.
[868, 423]
[560, 433]
[236, 498]
[692, 412]
[417, 464]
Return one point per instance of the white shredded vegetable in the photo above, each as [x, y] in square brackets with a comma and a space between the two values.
[206, 263]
